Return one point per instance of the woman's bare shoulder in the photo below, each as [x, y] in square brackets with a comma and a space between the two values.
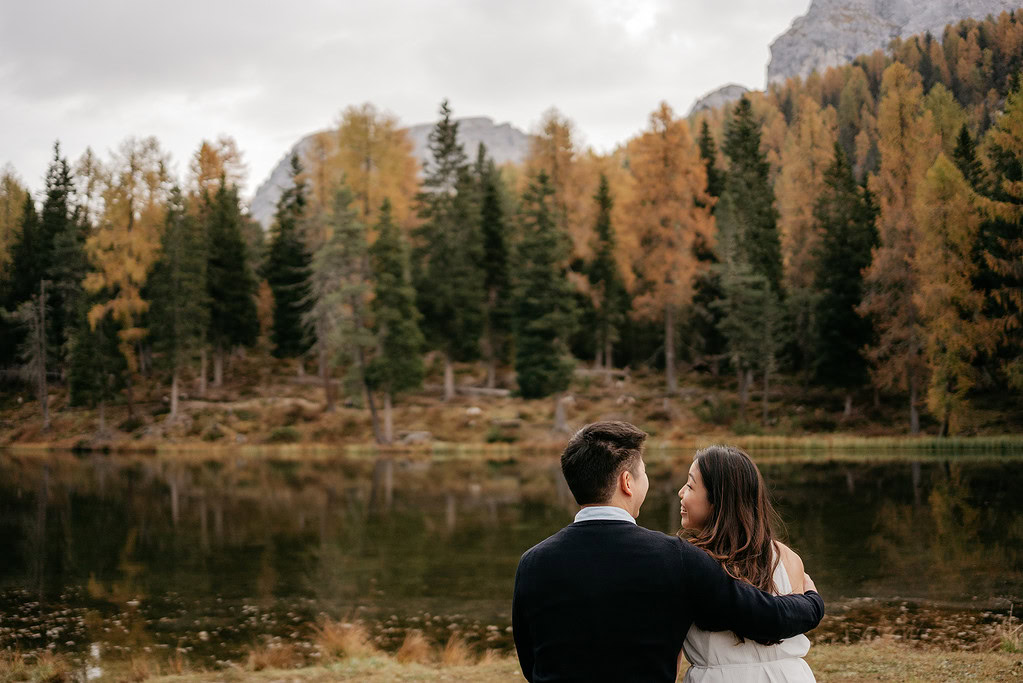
[793, 566]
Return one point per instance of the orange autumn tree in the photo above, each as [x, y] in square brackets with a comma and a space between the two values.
[215, 161]
[370, 153]
[908, 145]
[125, 243]
[374, 156]
[955, 329]
[669, 213]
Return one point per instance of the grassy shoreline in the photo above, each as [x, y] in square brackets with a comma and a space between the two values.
[883, 659]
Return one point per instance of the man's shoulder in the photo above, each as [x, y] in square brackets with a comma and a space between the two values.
[608, 529]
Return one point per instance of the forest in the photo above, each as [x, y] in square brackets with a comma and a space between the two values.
[859, 231]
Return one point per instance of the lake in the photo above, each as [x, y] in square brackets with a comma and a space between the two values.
[211, 554]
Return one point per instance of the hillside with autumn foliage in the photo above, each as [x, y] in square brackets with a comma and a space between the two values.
[840, 253]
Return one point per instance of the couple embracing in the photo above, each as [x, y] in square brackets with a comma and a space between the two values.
[607, 600]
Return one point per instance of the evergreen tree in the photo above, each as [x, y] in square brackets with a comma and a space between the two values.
[846, 216]
[339, 295]
[179, 309]
[230, 284]
[398, 365]
[448, 269]
[287, 269]
[709, 154]
[969, 163]
[497, 278]
[544, 302]
[607, 286]
[63, 226]
[26, 272]
[754, 220]
[98, 369]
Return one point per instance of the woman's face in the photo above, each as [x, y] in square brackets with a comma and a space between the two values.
[695, 507]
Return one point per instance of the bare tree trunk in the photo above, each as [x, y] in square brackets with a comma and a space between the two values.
[218, 366]
[102, 417]
[328, 388]
[449, 378]
[174, 394]
[299, 367]
[743, 388]
[374, 418]
[848, 406]
[609, 361]
[598, 359]
[669, 349]
[44, 397]
[203, 372]
[914, 413]
[764, 398]
[388, 419]
[560, 421]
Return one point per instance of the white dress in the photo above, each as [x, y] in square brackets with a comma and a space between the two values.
[719, 657]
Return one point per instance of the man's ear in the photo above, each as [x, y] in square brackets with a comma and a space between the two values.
[625, 481]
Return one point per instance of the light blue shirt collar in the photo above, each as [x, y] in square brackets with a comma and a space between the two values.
[609, 512]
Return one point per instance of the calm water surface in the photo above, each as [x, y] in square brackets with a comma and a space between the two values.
[213, 556]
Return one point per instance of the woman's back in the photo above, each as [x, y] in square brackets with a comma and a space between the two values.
[720, 656]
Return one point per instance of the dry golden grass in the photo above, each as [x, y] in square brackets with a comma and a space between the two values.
[340, 640]
[272, 656]
[415, 649]
[456, 652]
[1010, 635]
[43, 668]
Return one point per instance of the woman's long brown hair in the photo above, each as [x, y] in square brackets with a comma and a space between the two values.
[741, 528]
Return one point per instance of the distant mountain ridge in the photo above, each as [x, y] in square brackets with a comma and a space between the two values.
[505, 143]
[835, 32]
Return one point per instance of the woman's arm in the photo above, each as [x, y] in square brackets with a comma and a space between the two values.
[793, 566]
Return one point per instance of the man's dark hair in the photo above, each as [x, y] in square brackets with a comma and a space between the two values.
[596, 456]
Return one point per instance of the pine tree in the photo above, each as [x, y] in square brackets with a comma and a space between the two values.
[709, 154]
[287, 270]
[398, 365]
[966, 159]
[804, 159]
[846, 216]
[951, 309]
[97, 367]
[62, 226]
[908, 145]
[606, 286]
[26, 271]
[543, 300]
[179, 310]
[447, 260]
[1001, 246]
[496, 256]
[230, 284]
[339, 290]
[754, 220]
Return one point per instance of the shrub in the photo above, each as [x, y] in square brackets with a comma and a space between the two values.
[284, 435]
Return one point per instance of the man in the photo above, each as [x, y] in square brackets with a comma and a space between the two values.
[607, 600]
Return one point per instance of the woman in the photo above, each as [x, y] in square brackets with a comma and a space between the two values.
[726, 512]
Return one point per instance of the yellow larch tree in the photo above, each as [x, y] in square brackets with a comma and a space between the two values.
[669, 213]
[213, 161]
[955, 329]
[908, 145]
[12, 202]
[126, 240]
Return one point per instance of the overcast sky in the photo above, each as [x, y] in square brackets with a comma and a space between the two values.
[94, 72]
